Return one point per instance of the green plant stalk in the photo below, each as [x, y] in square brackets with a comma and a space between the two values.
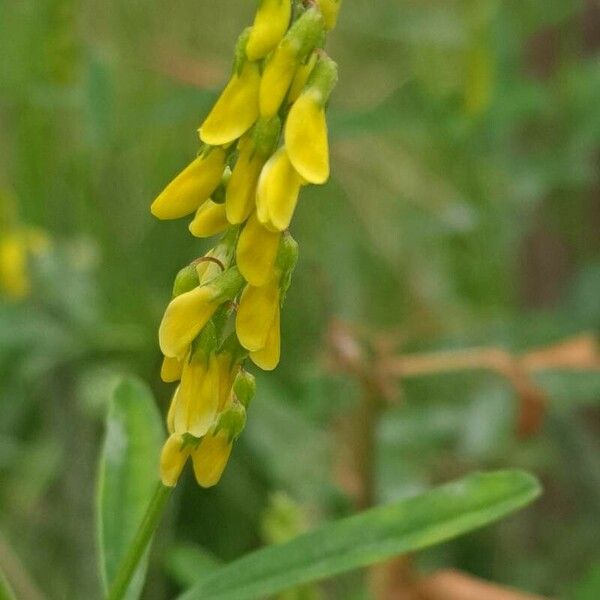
[140, 542]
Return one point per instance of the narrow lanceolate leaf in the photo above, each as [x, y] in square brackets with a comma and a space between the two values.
[375, 535]
[128, 475]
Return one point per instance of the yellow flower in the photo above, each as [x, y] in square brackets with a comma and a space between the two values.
[236, 109]
[210, 220]
[268, 357]
[330, 10]
[198, 395]
[256, 313]
[191, 187]
[270, 24]
[172, 460]
[14, 280]
[170, 370]
[301, 77]
[306, 137]
[277, 78]
[210, 458]
[256, 252]
[241, 190]
[185, 316]
[277, 193]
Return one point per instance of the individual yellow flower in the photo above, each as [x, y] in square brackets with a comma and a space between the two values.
[170, 370]
[14, 280]
[237, 108]
[330, 10]
[185, 316]
[197, 399]
[267, 358]
[281, 66]
[192, 186]
[256, 313]
[270, 24]
[256, 252]
[209, 220]
[277, 193]
[210, 458]
[241, 189]
[172, 459]
[306, 126]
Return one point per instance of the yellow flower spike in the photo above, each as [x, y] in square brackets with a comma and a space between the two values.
[281, 66]
[277, 193]
[191, 187]
[170, 370]
[270, 24]
[14, 280]
[198, 396]
[256, 313]
[306, 138]
[256, 252]
[210, 220]
[210, 458]
[172, 460]
[241, 191]
[301, 77]
[330, 10]
[185, 316]
[268, 357]
[236, 110]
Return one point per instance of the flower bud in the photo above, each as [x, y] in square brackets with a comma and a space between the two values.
[210, 458]
[304, 35]
[210, 220]
[277, 193]
[232, 421]
[256, 313]
[237, 108]
[306, 127]
[256, 252]
[185, 280]
[244, 387]
[192, 186]
[270, 24]
[172, 460]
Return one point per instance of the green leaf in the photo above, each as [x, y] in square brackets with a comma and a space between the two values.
[375, 535]
[128, 475]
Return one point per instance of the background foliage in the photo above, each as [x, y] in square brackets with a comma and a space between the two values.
[463, 210]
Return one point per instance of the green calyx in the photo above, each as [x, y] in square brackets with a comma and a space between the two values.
[233, 421]
[324, 77]
[186, 280]
[244, 387]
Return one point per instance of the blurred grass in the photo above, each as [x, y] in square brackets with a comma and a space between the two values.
[463, 210]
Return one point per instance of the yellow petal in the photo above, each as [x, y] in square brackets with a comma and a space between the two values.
[301, 77]
[241, 190]
[270, 24]
[268, 358]
[227, 374]
[256, 252]
[210, 459]
[306, 138]
[277, 77]
[171, 412]
[198, 397]
[255, 315]
[170, 370]
[191, 187]
[210, 220]
[172, 460]
[277, 193]
[14, 280]
[236, 109]
[185, 316]
[330, 10]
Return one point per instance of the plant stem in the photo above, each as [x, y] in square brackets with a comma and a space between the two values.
[139, 543]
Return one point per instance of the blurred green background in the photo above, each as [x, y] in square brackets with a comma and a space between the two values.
[463, 210]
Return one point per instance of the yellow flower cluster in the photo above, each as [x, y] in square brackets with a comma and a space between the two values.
[264, 139]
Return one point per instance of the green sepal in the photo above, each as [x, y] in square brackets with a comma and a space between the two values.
[287, 258]
[265, 136]
[240, 57]
[186, 280]
[244, 387]
[232, 421]
[324, 77]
